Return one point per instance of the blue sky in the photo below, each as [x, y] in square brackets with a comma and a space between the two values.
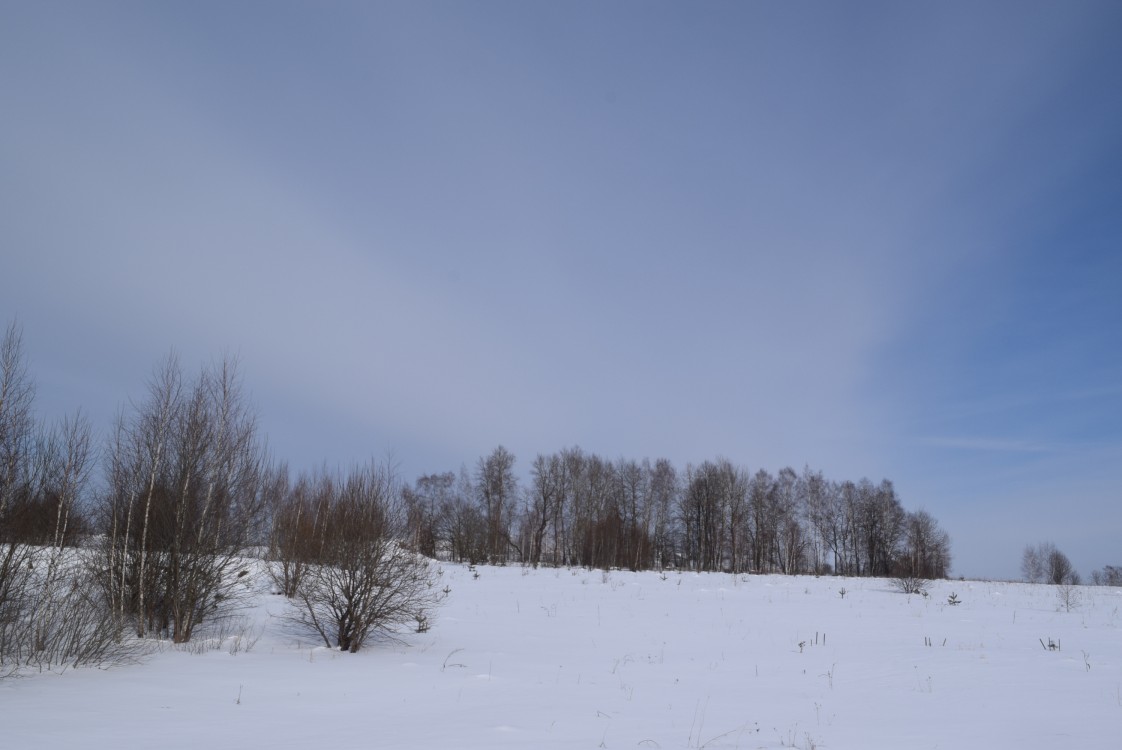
[881, 239]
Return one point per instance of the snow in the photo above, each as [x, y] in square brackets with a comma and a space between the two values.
[520, 658]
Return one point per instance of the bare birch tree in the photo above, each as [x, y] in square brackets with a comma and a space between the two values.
[184, 499]
[17, 393]
[50, 613]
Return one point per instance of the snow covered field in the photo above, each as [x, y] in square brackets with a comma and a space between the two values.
[586, 659]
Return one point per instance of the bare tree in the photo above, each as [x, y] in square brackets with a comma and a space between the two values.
[423, 503]
[360, 578]
[544, 500]
[764, 521]
[847, 561]
[664, 488]
[1110, 575]
[184, 500]
[65, 456]
[50, 613]
[1068, 595]
[819, 508]
[633, 493]
[582, 509]
[790, 496]
[880, 521]
[293, 534]
[712, 491]
[1060, 570]
[1043, 563]
[497, 489]
[596, 521]
[17, 393]
[1032, 563]
[66, 622]
[462, 525]
[579, 506]
[926, 548]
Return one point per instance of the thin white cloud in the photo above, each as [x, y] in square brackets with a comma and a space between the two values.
[676, 242]
[987, 444]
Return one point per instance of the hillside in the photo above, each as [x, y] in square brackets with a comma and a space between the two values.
[585, 659]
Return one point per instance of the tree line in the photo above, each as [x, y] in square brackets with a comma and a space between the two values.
[189, 498]
[1044, 563]
[581, 509]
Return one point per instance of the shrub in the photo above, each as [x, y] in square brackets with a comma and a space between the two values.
[358, 579]
[910, 585]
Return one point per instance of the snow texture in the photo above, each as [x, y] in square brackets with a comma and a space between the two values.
[559, 658]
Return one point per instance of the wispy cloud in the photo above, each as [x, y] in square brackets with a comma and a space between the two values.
[987, 444]
[738, 230]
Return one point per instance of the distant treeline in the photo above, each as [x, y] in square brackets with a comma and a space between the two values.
[581, 509]
[187, 488]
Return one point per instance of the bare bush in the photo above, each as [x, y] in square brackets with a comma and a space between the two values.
[1068, 596]
[67, 625]
[235, 634]
[357, 578]
[908, 584]
[51, 616]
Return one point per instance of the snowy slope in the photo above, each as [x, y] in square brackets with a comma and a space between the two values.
[583, 659]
